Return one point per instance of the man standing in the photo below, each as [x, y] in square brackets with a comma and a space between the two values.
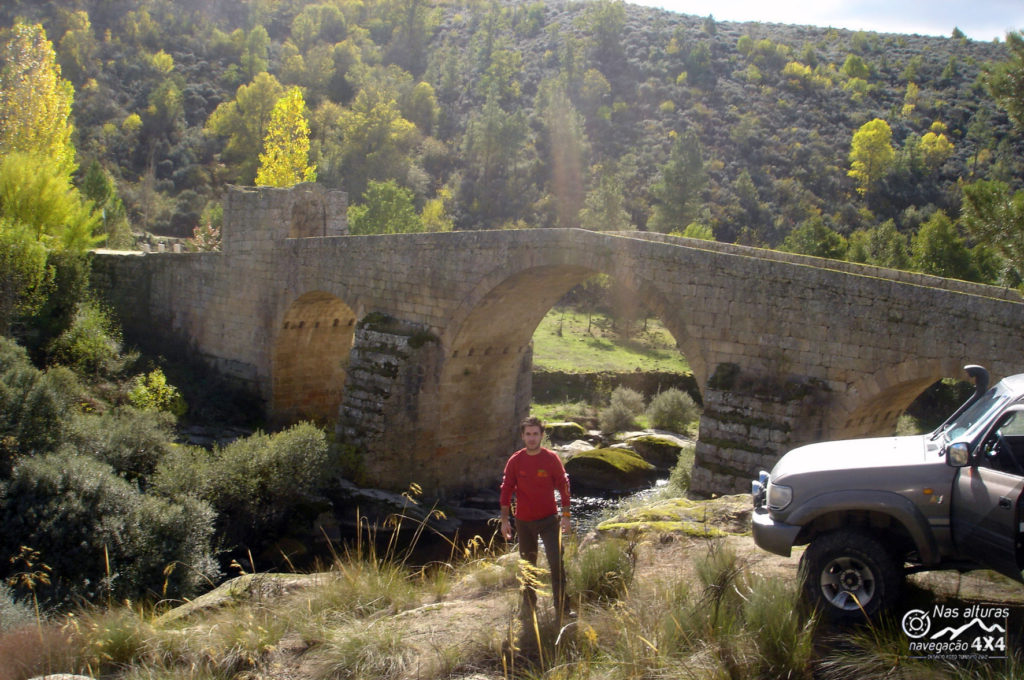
[532, 475]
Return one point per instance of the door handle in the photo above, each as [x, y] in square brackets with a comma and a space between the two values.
[1004, 502]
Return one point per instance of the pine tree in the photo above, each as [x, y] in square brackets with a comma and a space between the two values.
[679, 189]
[285, 158]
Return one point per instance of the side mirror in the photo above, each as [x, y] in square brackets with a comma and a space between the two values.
[958, 455]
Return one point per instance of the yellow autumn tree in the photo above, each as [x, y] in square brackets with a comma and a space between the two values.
[871, 154]
[935, 146]
[35, 101]
[285, 158]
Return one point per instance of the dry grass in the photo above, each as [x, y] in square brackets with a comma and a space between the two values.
[675, 607]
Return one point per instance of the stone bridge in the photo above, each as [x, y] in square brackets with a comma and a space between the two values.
[418, 346]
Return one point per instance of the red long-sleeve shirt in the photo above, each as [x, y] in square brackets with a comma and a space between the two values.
[533, 481]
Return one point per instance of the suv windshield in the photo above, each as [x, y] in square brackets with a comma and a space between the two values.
[977, 413]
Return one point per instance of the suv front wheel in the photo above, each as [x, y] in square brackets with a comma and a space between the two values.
[848, 574]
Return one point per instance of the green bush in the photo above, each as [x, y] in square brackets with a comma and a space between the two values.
[130, 441]
[34, 405]
[672, 410]
[679, 478]
[23, 272]
[152, 392]
[68, 288]
[622, 411]
[256, 484]
[91, 344]
[99, 535]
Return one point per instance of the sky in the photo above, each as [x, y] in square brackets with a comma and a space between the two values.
[977, 19]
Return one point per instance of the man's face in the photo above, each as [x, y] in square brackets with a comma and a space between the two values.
[532, 436]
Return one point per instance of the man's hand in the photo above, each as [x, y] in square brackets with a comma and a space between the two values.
[566, 525]
[506, 528]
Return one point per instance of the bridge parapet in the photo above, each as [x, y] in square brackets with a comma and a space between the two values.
[900, 275]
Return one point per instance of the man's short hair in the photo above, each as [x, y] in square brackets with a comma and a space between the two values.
[531, 421]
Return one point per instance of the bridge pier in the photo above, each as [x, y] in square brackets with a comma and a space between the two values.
[749, 421]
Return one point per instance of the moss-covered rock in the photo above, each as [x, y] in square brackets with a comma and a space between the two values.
[722, 516]
[660, 451]
[564, 432]
[613, 470]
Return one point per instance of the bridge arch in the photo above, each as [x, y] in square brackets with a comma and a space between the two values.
[485, 383]
[310, 357]
[873, 403]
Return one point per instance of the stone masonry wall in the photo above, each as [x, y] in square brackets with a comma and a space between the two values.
[748, 423]
[860, 341]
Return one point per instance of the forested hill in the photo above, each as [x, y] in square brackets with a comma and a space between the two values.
[497, 114]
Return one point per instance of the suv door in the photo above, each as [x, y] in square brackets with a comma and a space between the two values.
[987, 495]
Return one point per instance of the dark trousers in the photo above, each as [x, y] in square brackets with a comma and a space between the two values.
[549, 531]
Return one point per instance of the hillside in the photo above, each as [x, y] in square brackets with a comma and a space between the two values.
[538, 114]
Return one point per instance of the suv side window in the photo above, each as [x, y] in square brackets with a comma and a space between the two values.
[1003, 448]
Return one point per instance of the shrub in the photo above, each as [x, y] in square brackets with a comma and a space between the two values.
[99, 535]
[91, 344]
[672, 410]
[621, 413]
[152, 392]
[679, 478]
[256, 483]
[130, 441]
[34, 405]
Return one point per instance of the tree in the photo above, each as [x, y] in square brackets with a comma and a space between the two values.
[98, 187]
[285, 158]
[938, 250]
[883, 246]
[35, 102]
[566, 151]
[492, 188]
[854, 67]
[995, 217]
[604, 208]
[386, 209]
[814, 237]
[871, 154]
[38, 198]
[605, 21]
[78, 46]
[41, 214]
[254, 52]
[677, 192]
[377, 142]
[1005, 80]
[244, 122]
[935, 147]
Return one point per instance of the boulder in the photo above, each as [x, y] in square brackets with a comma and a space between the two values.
[610, 470]
[717, 517]
[564, 432]
[240, 589]
[567, 451]
[661, 451]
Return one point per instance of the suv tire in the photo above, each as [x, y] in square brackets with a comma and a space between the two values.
[847, 574]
